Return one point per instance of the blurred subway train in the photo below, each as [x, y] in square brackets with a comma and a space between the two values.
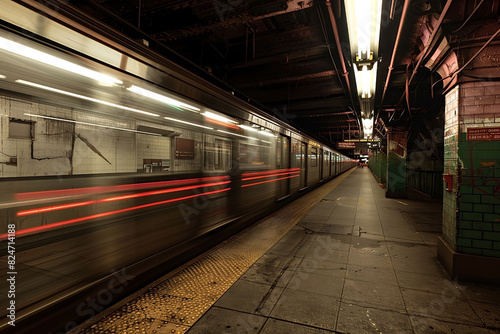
[117, 165]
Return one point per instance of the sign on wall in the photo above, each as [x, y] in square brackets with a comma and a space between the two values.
[490, 133]
[184, 149]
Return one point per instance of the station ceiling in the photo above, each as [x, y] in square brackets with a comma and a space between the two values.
[283, 54]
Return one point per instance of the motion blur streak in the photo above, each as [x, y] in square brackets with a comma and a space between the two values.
[283, 178]
[116, 198]
[97, 190]
[271, 171]
[54, 208]
[105, 214]
[264, 176]
[227, 125]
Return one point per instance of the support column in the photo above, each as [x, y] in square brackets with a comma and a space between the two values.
[396, 164]
[378, 165]
[470, 246]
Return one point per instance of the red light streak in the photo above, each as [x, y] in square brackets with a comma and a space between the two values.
[272, 171]
[159, 192]
[97, 190]
[274, 180]
[53, 208]
[116, 198]
[104, 214]
[264, 176]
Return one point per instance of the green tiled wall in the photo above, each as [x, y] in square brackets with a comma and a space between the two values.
[378, 165]
[479, 200]
[396, 173]
[471, 210]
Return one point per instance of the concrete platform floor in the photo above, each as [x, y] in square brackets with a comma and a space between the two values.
[356, 262]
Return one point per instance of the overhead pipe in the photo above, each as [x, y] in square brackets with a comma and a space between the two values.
[431, 38]
[428, 44]
[454, 74]
[333, 21]
[327, 114]
[394, 51]
[470, 16]
[393, 7]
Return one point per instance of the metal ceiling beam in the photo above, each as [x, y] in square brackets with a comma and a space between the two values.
[296, 78]
[394, 51]
[283, 58]
[333, 22]
[230, 15]
[430, 42]
[326, 114]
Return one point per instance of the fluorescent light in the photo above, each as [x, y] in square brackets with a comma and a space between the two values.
[363, 24]
[25, 51]
[366, 83]
[161, 98]
[362, 9]
[92, 124]
[234, 134]
[249, 128]
[366, 80]
[368, 127]
[86, 98]
[2, 76]
[218, 117]
[374, 77]
[188, 123]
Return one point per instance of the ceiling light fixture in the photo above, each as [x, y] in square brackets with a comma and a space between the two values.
[363, 23]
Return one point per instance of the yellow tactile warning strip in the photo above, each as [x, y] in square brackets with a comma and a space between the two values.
[179, 300]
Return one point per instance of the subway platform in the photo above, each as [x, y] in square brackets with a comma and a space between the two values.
[341, 259]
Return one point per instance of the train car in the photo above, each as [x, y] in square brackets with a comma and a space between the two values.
[116, 165]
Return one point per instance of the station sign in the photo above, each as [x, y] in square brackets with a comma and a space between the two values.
[346, 145]
[363, 140]
[477, 134]
[350, 144]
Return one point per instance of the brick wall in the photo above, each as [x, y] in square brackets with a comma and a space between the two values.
[476, 193]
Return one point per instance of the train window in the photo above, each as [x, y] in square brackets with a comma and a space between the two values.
[296, 158]
[283, 152]
[255, 155]
[222, 154]
[314, 156]
[19, 129]
[216, 154]
[278, 152]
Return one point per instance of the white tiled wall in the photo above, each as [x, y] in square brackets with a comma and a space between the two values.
[65, 148]
[62, 148]
[152, 147]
